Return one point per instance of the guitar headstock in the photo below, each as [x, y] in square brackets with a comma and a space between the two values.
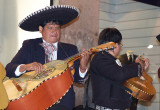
[106, 46]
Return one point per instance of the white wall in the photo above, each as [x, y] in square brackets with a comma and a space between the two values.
[11, 36]
[25, 8]
[139, 24]
[8, 31]
[1, 25]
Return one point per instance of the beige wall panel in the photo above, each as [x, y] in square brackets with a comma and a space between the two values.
[117, 2]
[145, 32]
[155, 98]
[154, 59]
[138, 24]
[153, 70]
[108, 1]
[107, 7]
[138, 15]
[105, 24]
[83, 32]
[104, 16]
[135, 6]
[155, 80]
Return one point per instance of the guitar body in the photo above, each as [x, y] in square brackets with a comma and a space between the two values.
[3, 95]
[39, 94]
[142, 89]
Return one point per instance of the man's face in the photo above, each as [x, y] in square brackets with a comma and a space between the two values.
[50, 32]
[118, 49]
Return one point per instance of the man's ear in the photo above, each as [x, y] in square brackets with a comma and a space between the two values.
[40, 29]
[117, 44]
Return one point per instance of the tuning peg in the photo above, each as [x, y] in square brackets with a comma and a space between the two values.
[112, 47]
[100, 49]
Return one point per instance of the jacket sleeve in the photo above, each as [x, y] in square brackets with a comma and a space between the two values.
[19, 58]
[110, 69]
[77, 78]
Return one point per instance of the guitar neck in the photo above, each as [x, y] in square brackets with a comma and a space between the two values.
[74, 58]
[106, 46]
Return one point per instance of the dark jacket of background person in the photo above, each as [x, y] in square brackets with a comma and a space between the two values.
[125, 60]
[104, 71]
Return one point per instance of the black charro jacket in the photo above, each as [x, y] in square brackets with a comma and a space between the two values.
[107, 77]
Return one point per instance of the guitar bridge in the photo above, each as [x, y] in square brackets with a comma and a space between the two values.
[17, 85]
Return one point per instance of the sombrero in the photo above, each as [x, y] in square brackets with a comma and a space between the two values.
[63, 13]
[158, 37]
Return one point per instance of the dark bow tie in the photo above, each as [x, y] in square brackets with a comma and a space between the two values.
[130, 59]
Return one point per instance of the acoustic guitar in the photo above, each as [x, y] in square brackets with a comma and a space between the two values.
[3, 95]
[39, 91]
[141, 87]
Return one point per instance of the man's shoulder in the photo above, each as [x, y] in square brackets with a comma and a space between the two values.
[67, 45]
[36, 40]
[102, 55]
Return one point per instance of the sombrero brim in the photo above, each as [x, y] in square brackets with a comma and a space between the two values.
[63, 13]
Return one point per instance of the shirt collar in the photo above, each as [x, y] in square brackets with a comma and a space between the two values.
[55, 44]
[128, 55]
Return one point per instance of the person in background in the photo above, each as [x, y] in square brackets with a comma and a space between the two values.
[159, 72]
[158, 38]
[107, 74]
[36, 52]
[129, 58]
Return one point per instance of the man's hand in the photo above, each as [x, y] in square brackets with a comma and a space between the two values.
[84, 60]
[35, 66]
[144, 63]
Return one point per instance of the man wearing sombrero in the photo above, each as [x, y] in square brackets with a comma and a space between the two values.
[36, 52]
